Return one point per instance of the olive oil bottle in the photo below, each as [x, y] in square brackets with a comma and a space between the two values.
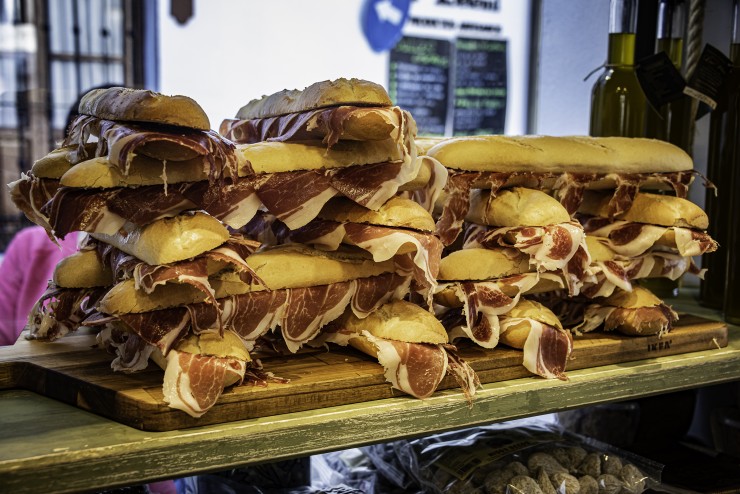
[672, 121]
[617, 102]
[728, 153]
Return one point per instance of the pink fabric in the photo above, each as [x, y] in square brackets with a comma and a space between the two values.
[25, 272]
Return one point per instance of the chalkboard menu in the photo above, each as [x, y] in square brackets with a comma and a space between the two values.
[480, 87]
[420, 81]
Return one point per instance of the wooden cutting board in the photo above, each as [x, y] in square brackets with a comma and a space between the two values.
[73, 371]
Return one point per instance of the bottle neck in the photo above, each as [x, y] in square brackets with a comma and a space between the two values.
[670, 29]
[621, 49]
[623, 16]
[673, 47]
[735, 54]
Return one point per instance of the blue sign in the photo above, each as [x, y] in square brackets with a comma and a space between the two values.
[382, 22]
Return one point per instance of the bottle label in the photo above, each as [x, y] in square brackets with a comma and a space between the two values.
[711, 73]
[659, 79]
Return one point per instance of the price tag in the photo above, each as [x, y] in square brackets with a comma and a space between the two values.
[708, 79]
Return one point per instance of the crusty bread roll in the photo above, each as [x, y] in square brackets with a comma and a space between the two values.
[170, 239]
[124, 298]
[516, 334]
[99, 173]
[140, 105]
[421, 179]
[400, 321]
[425, 143]
[515, 207]
[396, 212]
[212, 344]
[82, 269]
[598, 249]
[355, 92]
[482, 264]
[296, 265]
[560, 154]
[273, 156]
[59, 161]
[637, 313]
[638, 297]
[655, 209]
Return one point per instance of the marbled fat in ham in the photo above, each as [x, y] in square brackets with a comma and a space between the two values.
[633, 239]
[567, 188]
[30, 194]
[61, 310]
[483, 303]
[324, 123]
[414, 368]
[106, 210]
[193, 383]
[299, 312]
[550, 247]
[308, 309]
[121, 141]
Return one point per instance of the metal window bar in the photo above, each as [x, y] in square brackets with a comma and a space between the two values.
[81, 44]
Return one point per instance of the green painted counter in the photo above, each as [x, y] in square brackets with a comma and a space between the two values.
[47, 446]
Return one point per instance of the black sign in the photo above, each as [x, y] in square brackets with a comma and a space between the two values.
[709, 76]
[660, 80]
[420, 82]
[480, 87]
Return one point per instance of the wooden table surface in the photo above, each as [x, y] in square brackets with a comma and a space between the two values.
[48, 446]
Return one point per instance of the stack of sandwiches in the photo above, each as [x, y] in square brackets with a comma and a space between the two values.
[143, 176]
[309, 222]
[176, 216]
[607, 228]
[345, 157]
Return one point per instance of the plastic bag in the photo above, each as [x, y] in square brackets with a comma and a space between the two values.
[506, 459]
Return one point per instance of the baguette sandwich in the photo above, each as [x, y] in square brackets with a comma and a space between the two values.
[410, 344]
[561, 166]
[479, 291]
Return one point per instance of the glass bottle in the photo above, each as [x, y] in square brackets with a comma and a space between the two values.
[672, 121]
[617, 101]
[729, 161]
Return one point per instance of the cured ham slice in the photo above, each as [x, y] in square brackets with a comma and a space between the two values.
[30, 193]
[121, 141]
[132, 352]
[483, 303]
[299, 312]
[618, 273]
[463, 374]
[414, 368]
[546, 348]
[633, 239]
[60, 311]
[193, 383]
[427, 196]
[106, 210]
[327, 124]
[296, 197]
[659, 318]
[551, 248]
[567, 188]
[309, 309]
